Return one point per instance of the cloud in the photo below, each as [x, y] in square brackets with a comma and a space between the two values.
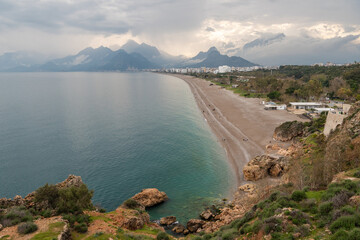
[178, 27]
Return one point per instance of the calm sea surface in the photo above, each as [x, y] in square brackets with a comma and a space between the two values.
[121, 132]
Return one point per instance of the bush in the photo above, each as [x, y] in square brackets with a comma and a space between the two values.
[340, 235]
[49, 194]
[75, 199]
[325, 208]
[81, 228]
[357, 174]
[354, 234]
[298, 195]
[346, 222]
[272, 224]
[131, 203]
[341, 198]
[162, 236]
[27, 227]
[229, 235]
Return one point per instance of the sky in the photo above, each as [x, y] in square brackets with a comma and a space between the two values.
[268, 32]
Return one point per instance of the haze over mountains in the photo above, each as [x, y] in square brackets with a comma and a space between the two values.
[131, 56]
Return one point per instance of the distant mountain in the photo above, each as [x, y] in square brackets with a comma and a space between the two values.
[99, 59]
[213, 58]
[152, 54]
[13, 61]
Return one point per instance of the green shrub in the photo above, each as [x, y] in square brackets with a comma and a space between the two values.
[340, 235]
[325, 208]
[75, 199]
[207, 237]
[131, 203]
[298, 195]
[47, 194]
[346, 222]
[27, 227]
[272, 224]
[229, 235]
[357, 174]
[354, 234]
[81, 228]
[46, 213]
[162, 236]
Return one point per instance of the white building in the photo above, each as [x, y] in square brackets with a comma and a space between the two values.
[274, 106]
[305, 105]
[224, 69]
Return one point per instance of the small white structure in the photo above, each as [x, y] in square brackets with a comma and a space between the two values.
[234, 85]
[305, 105]
[224, 69]
[320, 110]
[274, 106]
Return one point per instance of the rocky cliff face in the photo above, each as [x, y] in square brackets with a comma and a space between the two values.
[288, 130]
[342, 150]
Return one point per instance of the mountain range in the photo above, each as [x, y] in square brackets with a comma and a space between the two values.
[131, 56]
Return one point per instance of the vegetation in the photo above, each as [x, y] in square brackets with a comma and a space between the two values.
[293, 83]
[27, 227]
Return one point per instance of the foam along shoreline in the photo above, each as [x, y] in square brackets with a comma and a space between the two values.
[241, 125]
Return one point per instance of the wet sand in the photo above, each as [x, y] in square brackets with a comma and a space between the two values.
[241, 124]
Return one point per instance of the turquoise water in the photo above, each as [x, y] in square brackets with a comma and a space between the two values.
[121, 132]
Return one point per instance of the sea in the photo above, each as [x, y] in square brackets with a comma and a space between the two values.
[121, 132]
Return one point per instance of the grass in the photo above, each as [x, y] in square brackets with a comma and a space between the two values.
[54, 230]
[103, 218]
[315, 195]
[148, 230]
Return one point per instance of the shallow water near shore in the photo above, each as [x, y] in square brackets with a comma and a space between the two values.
[121, 132]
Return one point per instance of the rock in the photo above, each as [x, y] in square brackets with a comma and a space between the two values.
[250, 188]
[71, 181]
[186, 232]
[207, 214]
[1, 227]
[264, 165]
[275, 170]
[150, 197]
[66, 233]
[288, 130]
[194, 224]
[355, 201]
[178, 229]
[167, 220]
[18, 200]
[133, 223]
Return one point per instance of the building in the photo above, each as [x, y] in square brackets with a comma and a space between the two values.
[320, 110]
[305, 105]
[274, 106]
[224, 69]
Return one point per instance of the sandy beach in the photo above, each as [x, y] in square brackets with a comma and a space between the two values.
[241, 124]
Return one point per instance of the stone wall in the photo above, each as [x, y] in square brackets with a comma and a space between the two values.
[332, 121]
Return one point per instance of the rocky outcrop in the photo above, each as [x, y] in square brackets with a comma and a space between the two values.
[207, 214]
[265, 165]
[288, 130]
[130, 218]
[71, 181]
[167, 220]
[179, 229]
[193, 225]
[150, 197]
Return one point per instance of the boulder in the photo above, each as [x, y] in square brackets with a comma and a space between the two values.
[133, 223]
[18, 200]
[194, 224]
[207, 214]
[150, 197]
[167, 220]
[288, 130]
[178, 229]
[264, 165]
[355, 201]
[1, 227]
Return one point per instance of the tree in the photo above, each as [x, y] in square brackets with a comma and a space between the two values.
[274, 95]
[344, 93]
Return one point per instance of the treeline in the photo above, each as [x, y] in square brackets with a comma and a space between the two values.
[294, 83]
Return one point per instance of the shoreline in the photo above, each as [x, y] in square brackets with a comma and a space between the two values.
[241, 125]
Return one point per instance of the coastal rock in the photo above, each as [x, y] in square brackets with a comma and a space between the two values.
[129, 218]
[264, 165]
[288, 130]
[355, 201]
[167, 220]
[133, 223]
[207, 214]
[18, 200]
[194, 224]
[178, 229]
[71, 181]
[150, 197]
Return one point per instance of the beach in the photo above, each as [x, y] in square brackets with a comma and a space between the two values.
[241, 125]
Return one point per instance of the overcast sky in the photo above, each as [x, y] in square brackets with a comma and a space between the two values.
[279, 31]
